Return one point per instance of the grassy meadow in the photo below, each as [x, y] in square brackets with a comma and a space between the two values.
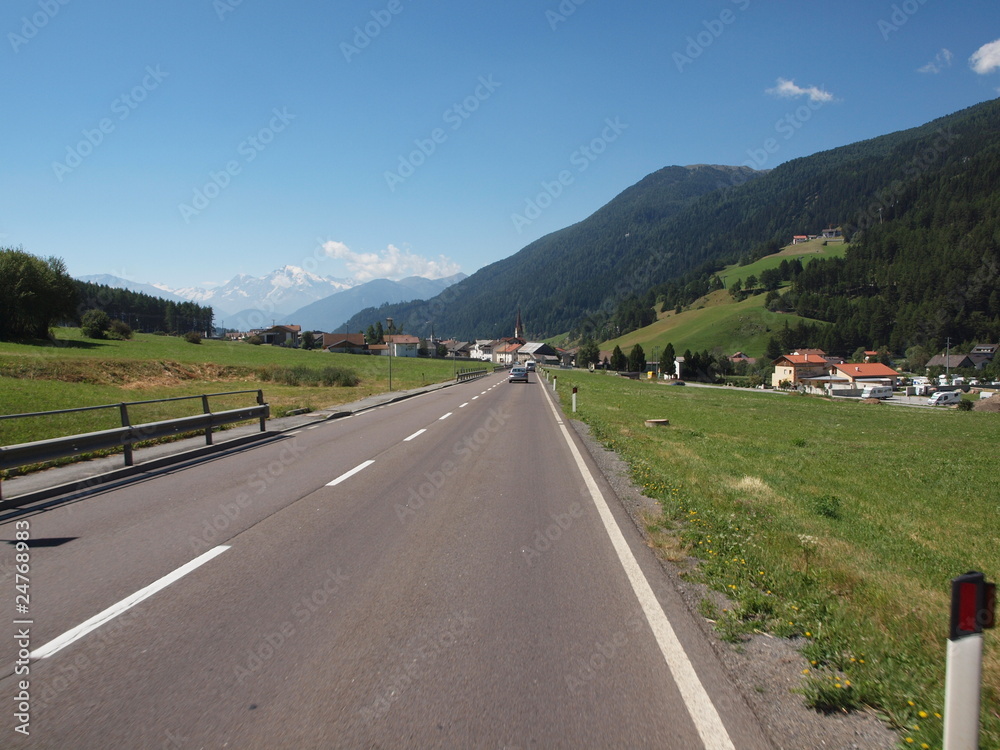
[836, 524]
[76, 371]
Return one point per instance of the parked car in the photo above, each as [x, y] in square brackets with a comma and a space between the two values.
[518, 373]
[676, 382]
[944, 397]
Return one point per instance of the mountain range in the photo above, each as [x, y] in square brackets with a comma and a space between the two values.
[288, 295]
[679, 224]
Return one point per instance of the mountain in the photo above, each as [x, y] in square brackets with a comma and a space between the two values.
[663, 237]
[116, 282]
[329, 314]
[271, 296]
[572, 272]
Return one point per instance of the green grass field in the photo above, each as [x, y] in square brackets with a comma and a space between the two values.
[805, 252]
[82, 372]
[716, 320]
[836, 524]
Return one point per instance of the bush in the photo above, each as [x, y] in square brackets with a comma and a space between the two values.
[95, 324]
[192, 337]
[120, 330]
[255, 340]
[965, 405]
[302, 375]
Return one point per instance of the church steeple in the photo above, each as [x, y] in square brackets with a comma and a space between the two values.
[518, 325]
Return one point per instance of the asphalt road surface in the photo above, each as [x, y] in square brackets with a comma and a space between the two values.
[446, 571]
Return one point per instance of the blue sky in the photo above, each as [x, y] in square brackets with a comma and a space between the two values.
[184, 143]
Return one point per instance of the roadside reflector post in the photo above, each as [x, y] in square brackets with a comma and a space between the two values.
[574, 399]
[554, 379]
[973, 606]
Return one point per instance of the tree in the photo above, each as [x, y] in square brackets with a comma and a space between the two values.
[308, 340]
[637, 359]
[750, 282]
[95, 324]
[735, 288]
[442, 350]
[859, 355]
[770, 279]
[589, 353]
[668, 362]
[618, 360]
[773, 350]
[37, 294]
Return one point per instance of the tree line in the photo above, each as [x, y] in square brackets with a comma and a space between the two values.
[39, 294]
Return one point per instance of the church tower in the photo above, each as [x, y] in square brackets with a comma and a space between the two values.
[518, 325]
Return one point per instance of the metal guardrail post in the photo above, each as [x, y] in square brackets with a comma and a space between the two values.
[207, 410]
[260, 402]
[123, 407]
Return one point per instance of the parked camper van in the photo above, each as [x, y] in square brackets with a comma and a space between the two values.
[877, 391]
[944, 397]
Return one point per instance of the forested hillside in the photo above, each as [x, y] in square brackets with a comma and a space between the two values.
[923, 197]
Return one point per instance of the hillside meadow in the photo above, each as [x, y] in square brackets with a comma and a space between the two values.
[718, 321]
[75, 371]
[836, 524]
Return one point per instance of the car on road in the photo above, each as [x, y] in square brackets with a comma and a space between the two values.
[530, 365]
[676, 382]
[518, 374]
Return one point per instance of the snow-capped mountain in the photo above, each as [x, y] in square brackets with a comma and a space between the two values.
[276, 294]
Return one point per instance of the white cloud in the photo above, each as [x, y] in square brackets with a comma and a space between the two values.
[787, 89]
[986, 59]
[941, 61]
[391, 263]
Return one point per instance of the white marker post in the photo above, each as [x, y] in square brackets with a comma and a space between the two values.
[574, 399]
[973, 602]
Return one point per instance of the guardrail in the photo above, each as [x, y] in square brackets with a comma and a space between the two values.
[13, 456]
[462, 375]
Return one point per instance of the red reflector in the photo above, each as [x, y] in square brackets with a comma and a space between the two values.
[968, 594]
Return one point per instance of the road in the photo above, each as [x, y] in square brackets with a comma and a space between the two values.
[446, 571]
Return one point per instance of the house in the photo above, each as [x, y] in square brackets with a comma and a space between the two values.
[285, 335]
[791, 368]
[402, 345]
[799, 238]
[344, 342]
[985, 350]
[860, 374]
[481, 349]
[741, 357]
[457, 349]
[953, 361]
[833, 233]
[812, 352]
[540, 352]
[506, 353]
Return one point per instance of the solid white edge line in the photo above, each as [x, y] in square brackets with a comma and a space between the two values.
[416, 434]
[351, 473]
[445, 416]
[699, 704]
[128, 602]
